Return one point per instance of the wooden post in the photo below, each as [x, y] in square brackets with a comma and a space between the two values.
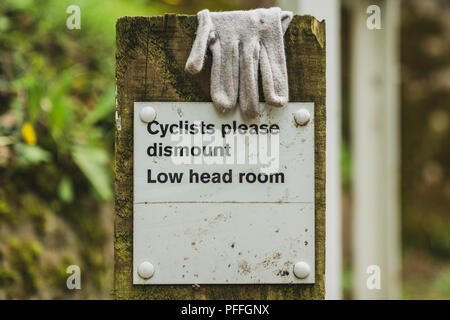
[151, 54]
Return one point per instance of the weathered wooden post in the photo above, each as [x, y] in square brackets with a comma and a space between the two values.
[151, 55]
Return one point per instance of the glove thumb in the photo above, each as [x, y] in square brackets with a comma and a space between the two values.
[194, 63]
[286, 17]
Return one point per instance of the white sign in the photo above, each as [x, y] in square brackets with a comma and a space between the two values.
[220, 199]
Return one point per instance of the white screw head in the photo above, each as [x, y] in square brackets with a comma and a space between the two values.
[146, 270]
[302, 117]
[301, 270]
[147, 114]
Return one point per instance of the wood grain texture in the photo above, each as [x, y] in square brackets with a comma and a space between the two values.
[151, 54]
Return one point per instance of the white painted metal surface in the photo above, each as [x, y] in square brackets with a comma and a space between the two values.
[296, 149]
[224, 233]
[376, 148]
[330, 11]
[223, 242]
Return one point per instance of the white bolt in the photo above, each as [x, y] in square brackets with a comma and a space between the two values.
[302, 117]
[146, 270]
[301, 270]
[147, 114]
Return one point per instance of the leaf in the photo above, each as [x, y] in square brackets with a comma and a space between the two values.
[61, 111]
[31, 154]
[59, 114]
[35, 94]
[93, 162]
[65, 190]
[104, 108]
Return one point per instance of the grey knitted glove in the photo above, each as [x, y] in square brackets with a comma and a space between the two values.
[240, 42]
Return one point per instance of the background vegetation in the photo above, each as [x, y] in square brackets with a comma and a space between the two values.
[56, 143]
[425, 134]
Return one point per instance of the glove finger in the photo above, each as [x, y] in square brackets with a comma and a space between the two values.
[248, 80]
[274, 75]
[224, 75]
[194, 63]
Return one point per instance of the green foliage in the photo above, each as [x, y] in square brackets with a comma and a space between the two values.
[57, 174]
[425, 143]
[65, 190]
[92, 162]
[6, 213]
[23, 259]
[30, 155]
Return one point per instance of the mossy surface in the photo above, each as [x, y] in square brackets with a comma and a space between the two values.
[40, 238]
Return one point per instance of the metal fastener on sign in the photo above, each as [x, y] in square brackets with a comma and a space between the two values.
[147, 114]
[301, 270]
[146, 270]
[302, 117]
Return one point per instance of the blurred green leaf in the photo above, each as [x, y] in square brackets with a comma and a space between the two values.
[59, 114]
[104, 108]
[65, 190]
[4, 24]
[29, 155]
[62, 106]
[93, 162]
